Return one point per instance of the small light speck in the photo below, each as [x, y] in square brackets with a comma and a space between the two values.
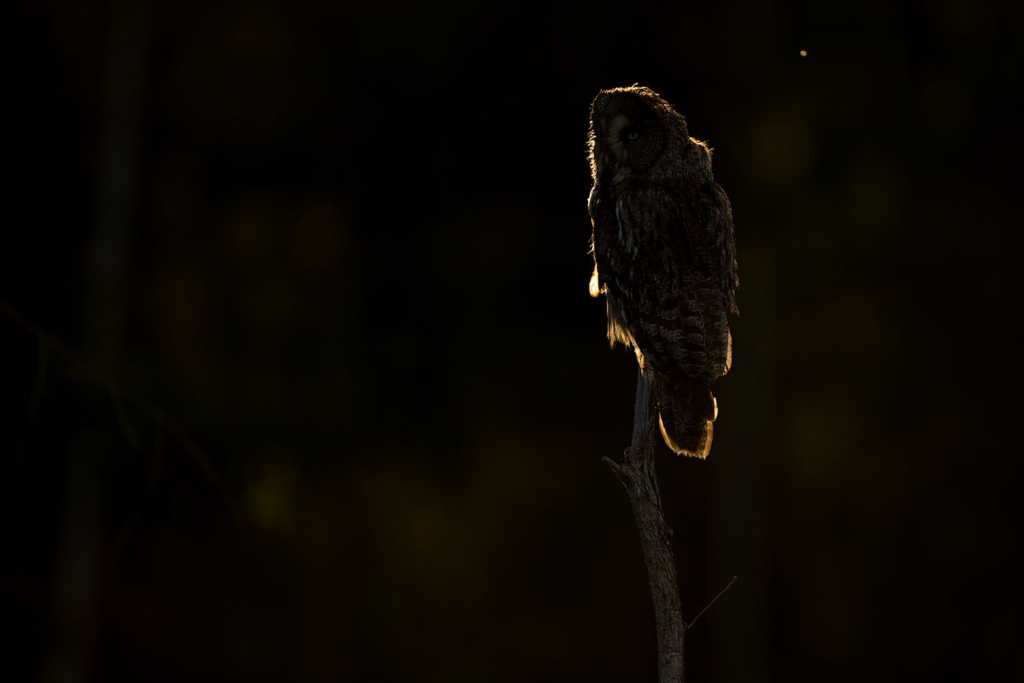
[803, 53]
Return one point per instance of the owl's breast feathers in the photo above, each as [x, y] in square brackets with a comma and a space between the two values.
[665, 260]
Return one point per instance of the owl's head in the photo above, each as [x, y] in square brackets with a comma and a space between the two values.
[631, 129]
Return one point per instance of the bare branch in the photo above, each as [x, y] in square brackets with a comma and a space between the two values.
[637, 473]
[708, 606]
[47, 341]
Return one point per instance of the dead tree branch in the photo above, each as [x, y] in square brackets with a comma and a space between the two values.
[638, 475]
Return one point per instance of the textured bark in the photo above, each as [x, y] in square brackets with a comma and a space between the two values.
[638, 475]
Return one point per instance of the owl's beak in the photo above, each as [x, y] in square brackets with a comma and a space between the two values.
[613, 159]
[613, 152]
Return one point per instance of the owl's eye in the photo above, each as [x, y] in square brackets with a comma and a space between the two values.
[633, 135]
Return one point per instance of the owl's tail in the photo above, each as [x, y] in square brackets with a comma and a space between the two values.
[687, 410]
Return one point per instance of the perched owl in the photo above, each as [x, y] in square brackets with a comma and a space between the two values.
[664, 256]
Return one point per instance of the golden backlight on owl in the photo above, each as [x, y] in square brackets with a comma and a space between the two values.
[664, 256]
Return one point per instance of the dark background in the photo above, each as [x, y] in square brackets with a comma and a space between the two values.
[338, 395]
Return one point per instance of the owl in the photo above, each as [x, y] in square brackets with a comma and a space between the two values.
[664, 256]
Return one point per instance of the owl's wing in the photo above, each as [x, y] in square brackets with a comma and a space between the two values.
[608, 270]
[676, 289]
[718, 213]
[676, 310]
[696, 223]
[598, 215]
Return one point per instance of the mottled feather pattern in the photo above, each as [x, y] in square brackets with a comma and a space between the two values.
[664, 256]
